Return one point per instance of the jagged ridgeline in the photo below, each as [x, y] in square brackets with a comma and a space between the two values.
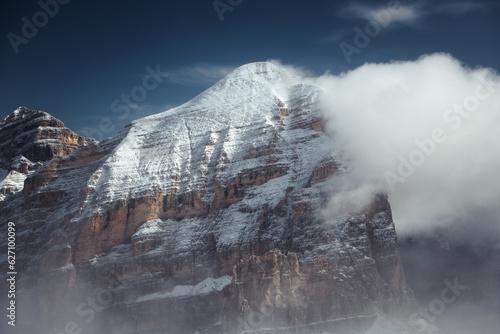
[203, 219]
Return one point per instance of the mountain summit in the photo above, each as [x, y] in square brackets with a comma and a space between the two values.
[28, 139]
[203, 219]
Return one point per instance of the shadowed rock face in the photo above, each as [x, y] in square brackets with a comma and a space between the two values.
[205, 218]
[37, 136]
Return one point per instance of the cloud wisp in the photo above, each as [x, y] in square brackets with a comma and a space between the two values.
[463, 7]
[390, 15]
[199, 75]
[409, 13]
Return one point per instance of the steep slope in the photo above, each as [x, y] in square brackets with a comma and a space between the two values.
[206, 218]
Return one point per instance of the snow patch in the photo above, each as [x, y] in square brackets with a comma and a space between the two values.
[12, 183]
[205, 287]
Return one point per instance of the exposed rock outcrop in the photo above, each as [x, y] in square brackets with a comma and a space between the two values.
[28, 140]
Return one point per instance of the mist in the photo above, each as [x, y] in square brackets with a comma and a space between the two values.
[427, 132]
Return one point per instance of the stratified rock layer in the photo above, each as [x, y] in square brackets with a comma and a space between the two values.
[28, 139]
[205, 218]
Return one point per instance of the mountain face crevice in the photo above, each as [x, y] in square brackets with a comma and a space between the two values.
[206, 218]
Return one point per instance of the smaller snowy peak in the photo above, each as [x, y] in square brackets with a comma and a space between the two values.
[28, 140]
[29, 118]
[24, 113]
[35, 135]
[21, 111]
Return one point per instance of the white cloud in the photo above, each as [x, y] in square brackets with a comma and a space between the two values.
[401, 13]
[386, 15]
[377, 112]
[461, 8]
[294, 74]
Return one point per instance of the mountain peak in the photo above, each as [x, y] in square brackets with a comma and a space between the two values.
[22, 110]
[260, 73]
[36, 135]
[27, 115]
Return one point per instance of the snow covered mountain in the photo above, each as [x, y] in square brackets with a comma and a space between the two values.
[203, 219]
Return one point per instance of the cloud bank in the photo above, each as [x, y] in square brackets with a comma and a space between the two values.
[427, 132]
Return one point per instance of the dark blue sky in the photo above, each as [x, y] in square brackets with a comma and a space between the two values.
[89, 53]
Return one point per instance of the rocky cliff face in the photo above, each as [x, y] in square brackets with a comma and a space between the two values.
[203, 219]
[28, 140]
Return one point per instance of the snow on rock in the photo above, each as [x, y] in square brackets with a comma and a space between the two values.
[236, 115]
[169, 211]
[12, 183]
[207, 286]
